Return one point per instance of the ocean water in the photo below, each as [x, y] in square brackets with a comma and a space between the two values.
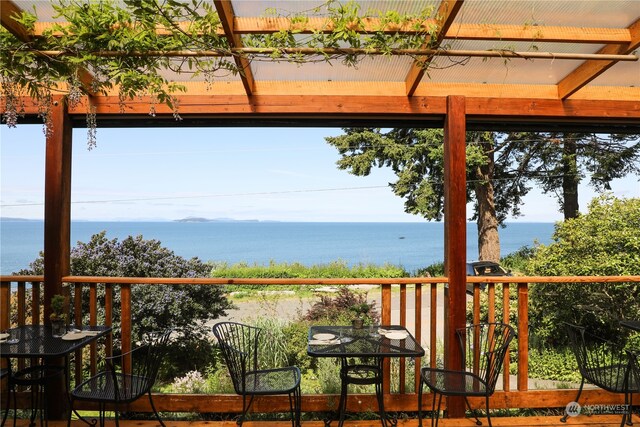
[410, 245]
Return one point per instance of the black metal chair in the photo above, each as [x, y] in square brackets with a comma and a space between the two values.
[634, 378]
[484, 347]
[239, 345]
[5, 372]
[35, 379]
[116, 386]
[605, 364]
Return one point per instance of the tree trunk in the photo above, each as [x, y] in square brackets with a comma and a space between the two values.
[488, 237]
[570, 179]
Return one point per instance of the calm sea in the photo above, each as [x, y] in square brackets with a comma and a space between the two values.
[410, 245]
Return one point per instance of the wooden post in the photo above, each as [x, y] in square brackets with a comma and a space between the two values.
[57, 224]
[455, 236]
[523, 336]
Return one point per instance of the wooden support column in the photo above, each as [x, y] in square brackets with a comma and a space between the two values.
[57, 224]
[455, 236]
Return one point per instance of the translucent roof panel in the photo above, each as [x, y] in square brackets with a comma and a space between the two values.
[620, 74]
[317, 8]
[43, 9]
[506, 70]
[384, 69]
[574, 13]
[45, 12]
[188, 73]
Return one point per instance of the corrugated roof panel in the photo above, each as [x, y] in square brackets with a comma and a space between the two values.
[496, 71]
[575, 13]
[43, 9]
[621, 74]
[188, 74]
[384, 69]
[513, 70]
[517, 46]
[249, 8]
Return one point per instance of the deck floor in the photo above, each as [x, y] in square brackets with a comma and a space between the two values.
[580, 421]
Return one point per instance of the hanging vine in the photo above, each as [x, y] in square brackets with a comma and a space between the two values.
[130, 46]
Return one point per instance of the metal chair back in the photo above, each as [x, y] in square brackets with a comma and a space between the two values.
[601, 362]
[484, 347]
[239, 345]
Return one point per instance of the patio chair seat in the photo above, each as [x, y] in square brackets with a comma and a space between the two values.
[102, 387]
[454, 383]
[272, 381]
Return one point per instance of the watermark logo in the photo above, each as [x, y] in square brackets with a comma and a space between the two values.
[573, 409]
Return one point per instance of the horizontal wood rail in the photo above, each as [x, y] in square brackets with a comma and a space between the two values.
[20, 303]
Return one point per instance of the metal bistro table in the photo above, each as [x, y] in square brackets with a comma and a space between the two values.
[37, 341]
[375, 342]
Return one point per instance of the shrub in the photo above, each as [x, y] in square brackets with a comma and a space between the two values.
[605, 241]
[336, 308]
[554, 364]
[185, 308]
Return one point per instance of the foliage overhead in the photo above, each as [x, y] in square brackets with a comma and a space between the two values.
[128, 46]
[603, 242]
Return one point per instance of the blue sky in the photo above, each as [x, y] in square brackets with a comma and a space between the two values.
[282, 174]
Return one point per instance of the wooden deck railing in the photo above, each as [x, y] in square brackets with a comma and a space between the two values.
[20, 304]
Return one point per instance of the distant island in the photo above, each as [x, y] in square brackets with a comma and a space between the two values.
[200, 219]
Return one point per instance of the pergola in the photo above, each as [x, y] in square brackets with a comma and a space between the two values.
[539, 64]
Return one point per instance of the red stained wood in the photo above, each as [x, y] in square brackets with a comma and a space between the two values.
[455, 234]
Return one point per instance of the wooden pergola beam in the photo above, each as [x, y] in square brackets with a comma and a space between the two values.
[465, 31]
[8, 11]
[446, 14]
[225, 12]
[419, 107]
[590, 69]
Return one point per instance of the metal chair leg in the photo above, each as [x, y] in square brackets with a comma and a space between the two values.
[154, 410]
[566, 415]
[420, 404]
[436, 413]
[488, 415]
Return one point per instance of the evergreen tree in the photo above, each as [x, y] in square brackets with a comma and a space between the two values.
[560, 161]
[416, 158]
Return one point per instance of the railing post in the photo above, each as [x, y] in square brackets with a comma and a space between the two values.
[523, 336]
[35, 303]
[418, 332]
[5, 305]
[403, 322]
[386, 320]
[506, 311]
[125, 324]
